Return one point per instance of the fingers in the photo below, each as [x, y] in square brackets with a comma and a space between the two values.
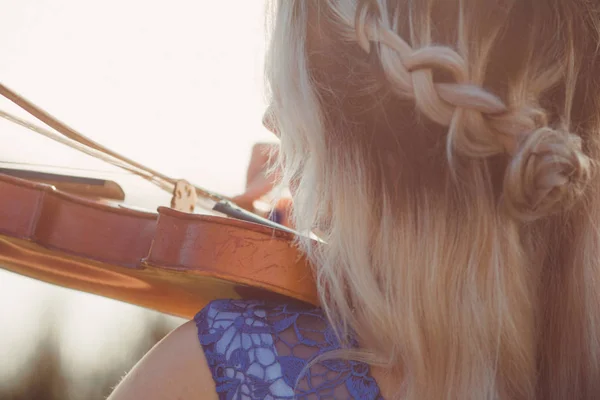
[259, 187]
[258, 182]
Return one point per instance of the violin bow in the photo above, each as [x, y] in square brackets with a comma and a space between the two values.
[70, 137]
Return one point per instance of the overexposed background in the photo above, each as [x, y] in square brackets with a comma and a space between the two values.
[177, 86]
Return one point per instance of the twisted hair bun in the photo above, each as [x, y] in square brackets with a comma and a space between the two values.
[547, 173]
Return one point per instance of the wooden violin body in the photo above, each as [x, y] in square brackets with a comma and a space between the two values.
[168, 261]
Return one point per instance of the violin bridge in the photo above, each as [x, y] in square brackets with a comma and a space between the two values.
[184, 197]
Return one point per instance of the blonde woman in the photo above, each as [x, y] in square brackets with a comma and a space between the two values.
[447, 152]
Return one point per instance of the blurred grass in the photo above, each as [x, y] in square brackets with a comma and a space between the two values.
[45, 374]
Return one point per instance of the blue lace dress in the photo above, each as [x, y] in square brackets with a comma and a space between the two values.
[257, 350]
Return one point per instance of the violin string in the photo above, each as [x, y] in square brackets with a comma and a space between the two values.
[131, 170]
[77, 146]
[66, 132]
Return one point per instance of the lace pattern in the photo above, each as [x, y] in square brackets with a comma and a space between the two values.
[256, 350]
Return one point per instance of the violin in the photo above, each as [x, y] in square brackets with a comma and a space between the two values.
[173, 260]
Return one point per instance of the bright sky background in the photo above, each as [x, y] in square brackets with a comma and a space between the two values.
[174, 85]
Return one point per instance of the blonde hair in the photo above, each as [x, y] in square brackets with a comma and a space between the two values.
[446, 152]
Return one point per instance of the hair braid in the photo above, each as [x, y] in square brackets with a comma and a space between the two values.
[547, 171]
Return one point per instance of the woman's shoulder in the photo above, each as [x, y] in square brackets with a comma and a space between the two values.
[188, 360]
[249, 349]
[175, 368]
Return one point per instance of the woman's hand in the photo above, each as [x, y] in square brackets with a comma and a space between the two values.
[259, 183]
